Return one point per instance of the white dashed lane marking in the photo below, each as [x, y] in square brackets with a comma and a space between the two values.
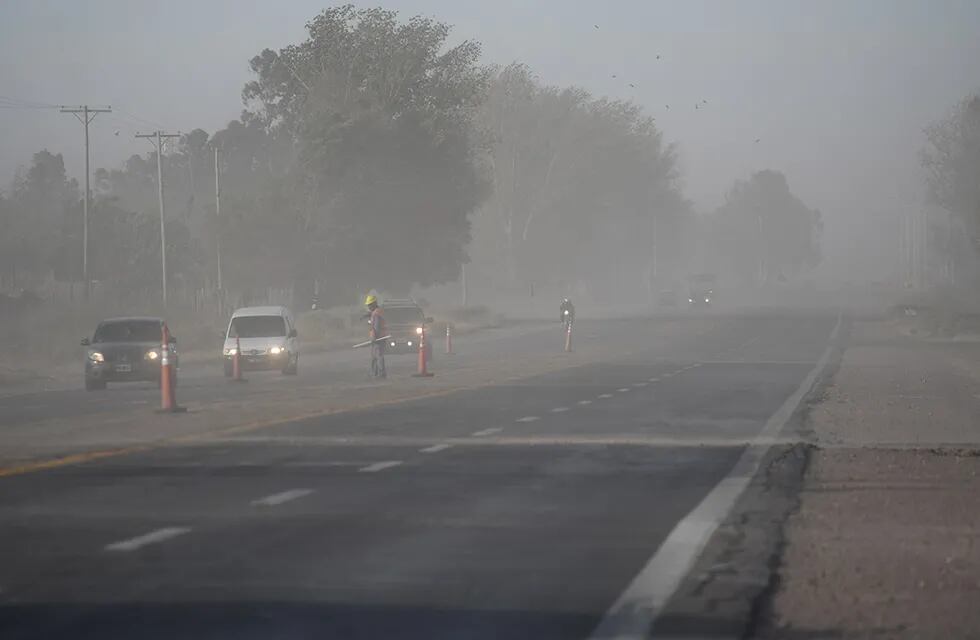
[584, 402]
[279, 498]
[640, 384]
[605, 395]
[150, 538]
[654, 379]
[487, 432]
[528, 419]
[624, 390]
[559, 410]
[436, 448]
[380, 466]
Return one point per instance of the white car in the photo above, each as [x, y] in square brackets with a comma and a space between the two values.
[267, 337]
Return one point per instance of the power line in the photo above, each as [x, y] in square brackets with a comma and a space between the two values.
[158, 136]
[85, 114]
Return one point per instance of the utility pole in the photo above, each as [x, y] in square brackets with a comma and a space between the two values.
[85, 114]
[159, 135]
[217, 210]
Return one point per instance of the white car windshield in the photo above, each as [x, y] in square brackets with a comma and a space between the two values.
[258, 327]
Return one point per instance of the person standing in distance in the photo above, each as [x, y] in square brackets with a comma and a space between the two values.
[377, 321]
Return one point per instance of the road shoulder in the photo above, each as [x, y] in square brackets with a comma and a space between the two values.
[883, 542]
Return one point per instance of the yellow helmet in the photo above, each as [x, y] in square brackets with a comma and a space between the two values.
[370, 299]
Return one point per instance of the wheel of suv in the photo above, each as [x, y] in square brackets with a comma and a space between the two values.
[292, 366]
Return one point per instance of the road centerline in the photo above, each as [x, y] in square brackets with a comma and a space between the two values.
[436, 448]
[153, 537]
[279, 498]
[486, 432]
[380, 466]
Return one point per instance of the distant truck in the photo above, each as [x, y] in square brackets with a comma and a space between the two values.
[700, 289]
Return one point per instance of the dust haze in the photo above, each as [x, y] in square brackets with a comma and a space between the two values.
[487, 159]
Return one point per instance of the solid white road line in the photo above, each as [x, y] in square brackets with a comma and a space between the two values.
[380, 466]
[605, 395]
[640, 384]
[486, 432]
[528, 419]
[559, 410]
[149, 538]
[279, 498]
[584, 402]
[436, 448]
[654, 379]
[633, 613]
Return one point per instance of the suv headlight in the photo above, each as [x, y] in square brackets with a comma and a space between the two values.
[418, 330]
[230, 352]
[152, 355]
[276, 351]
[96, 356]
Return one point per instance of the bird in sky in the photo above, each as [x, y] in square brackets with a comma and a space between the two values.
[757, 139]
[596, 26]
[696, 106]
[668, 107]
[614, 75]
[632, 85]
[658, 56]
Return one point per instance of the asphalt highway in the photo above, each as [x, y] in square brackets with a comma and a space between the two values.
[519, 509]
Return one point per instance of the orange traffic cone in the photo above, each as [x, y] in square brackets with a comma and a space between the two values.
[236, 363]
[168, 392]
[423, 371]
[568, 338]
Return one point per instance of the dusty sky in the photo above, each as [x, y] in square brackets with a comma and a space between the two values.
[838, 92]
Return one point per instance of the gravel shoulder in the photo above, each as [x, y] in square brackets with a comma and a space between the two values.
[883, 540]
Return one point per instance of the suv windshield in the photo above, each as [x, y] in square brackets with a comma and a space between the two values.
[129, 331]
[258, 327]
[403, 315]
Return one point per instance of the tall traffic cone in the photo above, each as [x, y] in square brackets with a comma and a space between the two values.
[449, 339]
[568, 338]
[236, 363]
[168, 393]
[423, 371]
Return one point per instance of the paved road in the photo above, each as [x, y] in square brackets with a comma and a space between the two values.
[516, 510]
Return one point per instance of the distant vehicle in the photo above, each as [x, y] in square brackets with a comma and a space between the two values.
[701, 290]
[268, 340]
[405, 321]
[126, 350]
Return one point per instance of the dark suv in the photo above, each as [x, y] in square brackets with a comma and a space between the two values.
[406, 322]
[126, 349]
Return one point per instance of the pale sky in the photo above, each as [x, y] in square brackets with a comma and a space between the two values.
[837, 91]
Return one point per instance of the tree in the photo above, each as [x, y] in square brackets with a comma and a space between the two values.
[763, 232]
[38, 202]
[384, 175]
[578, 184]
[952, 163]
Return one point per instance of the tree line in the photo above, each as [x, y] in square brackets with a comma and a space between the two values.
[376, 154]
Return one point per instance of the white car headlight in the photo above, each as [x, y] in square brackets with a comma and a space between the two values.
[95, 356]
[276, 350]
[152, 355]
[418, 330]
[409, 343]
[230, 352]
